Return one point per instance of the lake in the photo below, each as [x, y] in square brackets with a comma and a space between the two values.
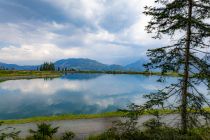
[74, 94]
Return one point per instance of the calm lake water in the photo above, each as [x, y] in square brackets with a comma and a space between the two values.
[74, 93]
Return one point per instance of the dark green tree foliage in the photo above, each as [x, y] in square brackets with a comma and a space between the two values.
[47, 67]
[188, 54]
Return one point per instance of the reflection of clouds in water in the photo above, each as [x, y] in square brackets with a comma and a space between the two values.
[151, 87]
[104, 85]
[66, 95]
[40, 86]
[103, 103]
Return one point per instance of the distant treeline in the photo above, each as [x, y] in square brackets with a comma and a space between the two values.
[49, 66]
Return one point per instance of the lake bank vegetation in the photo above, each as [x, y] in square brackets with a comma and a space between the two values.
[22, 74]
[33, 74]
[120, 113]
[63, 117]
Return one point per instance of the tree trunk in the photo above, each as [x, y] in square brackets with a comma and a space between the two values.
[184, 118]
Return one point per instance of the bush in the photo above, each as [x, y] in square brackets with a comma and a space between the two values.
[68, 135]
[44, 132]
[153, 130]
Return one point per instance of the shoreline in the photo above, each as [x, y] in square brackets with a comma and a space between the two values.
[56, 74]
[77, 117]
[18, 74]
[62, 117]
[27, 77]
[69, 117]
[172, 74]
[24, 74]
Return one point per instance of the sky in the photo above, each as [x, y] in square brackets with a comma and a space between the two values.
[109, 31]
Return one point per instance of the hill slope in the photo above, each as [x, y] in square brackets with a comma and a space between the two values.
[80, 64]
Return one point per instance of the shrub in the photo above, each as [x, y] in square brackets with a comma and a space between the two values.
[68, 135]
[44, 132]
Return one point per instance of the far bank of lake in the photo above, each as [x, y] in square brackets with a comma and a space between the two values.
[32, 74]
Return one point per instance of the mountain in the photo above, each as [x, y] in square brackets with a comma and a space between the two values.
[136, 66]
[16, 67]
[87, 64]
[82, 64]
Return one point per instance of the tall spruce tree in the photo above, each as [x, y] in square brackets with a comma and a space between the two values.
[188, 21]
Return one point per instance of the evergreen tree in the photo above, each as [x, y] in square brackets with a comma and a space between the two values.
[47, 67]
[188, 55]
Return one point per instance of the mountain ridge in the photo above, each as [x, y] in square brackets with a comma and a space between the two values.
[82, 64]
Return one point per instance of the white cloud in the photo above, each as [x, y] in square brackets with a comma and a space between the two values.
[35, 53]
[109, 31]
[28, 32]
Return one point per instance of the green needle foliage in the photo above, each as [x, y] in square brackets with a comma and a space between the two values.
[47, 67]
[187, 20]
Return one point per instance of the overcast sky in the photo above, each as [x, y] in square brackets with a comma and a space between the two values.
[110, 31]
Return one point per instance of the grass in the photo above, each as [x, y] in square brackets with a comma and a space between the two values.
[9, 74]
[13, 74]
[74, 117]
[84, 116]
[63, 117]
[77, 116]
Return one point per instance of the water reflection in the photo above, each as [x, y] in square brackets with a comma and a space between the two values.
[73, 93]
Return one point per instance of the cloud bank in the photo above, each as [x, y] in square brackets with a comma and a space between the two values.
[47, 30]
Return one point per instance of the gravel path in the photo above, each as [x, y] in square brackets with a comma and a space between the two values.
[85, 127]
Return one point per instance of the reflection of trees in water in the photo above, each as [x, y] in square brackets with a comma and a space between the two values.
[48, 78]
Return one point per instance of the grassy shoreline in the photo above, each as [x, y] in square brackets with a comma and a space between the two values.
[84, 116]
[24, 74]
[30, 74]
[76, 117]
[63, 117]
